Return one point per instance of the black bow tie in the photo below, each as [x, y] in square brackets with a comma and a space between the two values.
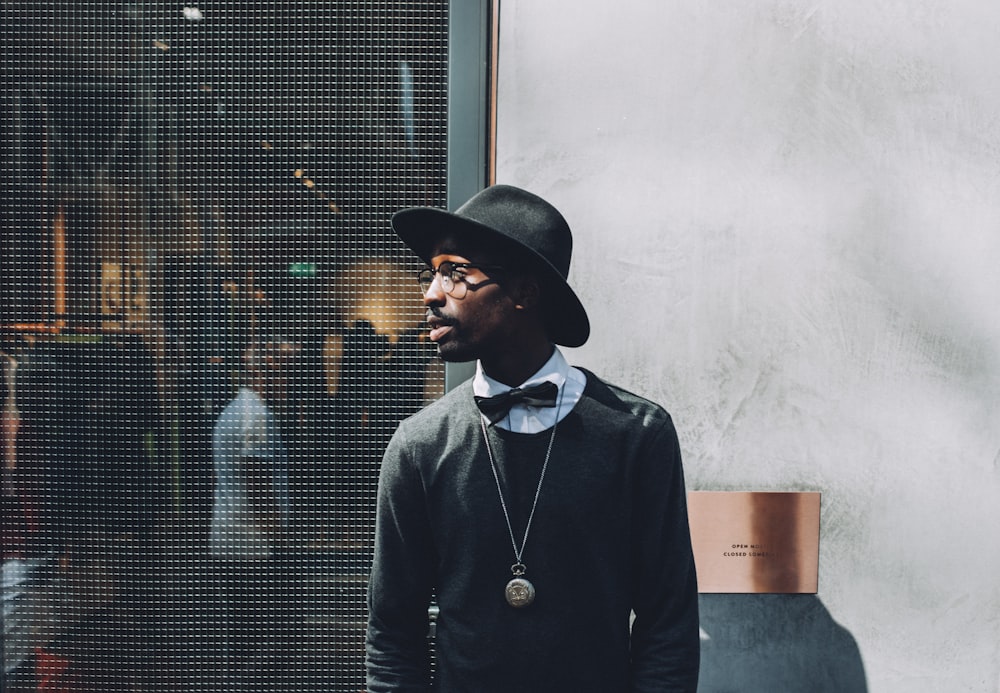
[495, 408]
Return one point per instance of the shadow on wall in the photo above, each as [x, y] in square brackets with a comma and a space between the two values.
[768, 643]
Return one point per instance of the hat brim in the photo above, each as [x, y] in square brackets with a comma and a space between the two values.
[420, 228]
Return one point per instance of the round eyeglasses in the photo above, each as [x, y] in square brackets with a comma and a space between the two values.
[453, 277]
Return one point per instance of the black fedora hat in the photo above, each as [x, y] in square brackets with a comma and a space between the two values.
[521, 221]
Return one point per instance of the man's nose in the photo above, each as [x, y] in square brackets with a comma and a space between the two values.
[435, 292]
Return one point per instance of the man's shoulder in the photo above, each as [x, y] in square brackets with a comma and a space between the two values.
[448, 410]
[444, 425]
[618, 402]
[231, 413]
[246, 411]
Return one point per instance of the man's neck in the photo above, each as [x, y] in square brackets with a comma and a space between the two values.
[514, 369]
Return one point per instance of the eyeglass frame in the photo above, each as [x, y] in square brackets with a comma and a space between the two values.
[425, 277]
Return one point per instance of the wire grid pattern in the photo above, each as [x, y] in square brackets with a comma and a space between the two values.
[209, 331]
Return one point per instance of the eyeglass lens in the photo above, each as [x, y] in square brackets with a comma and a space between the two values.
[446, 271]
[452, 275]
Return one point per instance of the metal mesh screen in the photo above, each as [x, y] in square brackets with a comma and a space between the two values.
[208, 331]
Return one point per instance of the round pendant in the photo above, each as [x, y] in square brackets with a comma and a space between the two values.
[520, 592]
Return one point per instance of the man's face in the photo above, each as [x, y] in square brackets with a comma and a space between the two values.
[474, 320]
[278, 366]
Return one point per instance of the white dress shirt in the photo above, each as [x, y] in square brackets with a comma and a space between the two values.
[527, 419]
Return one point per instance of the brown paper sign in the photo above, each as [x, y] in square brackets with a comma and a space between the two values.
[755, 542]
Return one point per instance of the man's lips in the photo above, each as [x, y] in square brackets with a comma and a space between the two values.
[439, 327]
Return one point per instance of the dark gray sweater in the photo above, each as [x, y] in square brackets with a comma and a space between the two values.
[609, 536]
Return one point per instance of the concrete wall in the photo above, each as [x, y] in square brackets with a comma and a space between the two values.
[788, 232]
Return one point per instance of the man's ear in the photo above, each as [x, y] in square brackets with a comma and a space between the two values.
[528, 293]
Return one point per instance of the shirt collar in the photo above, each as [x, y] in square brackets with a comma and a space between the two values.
[555, 370]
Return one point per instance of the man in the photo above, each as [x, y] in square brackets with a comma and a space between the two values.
[250, 511]
[540, 528]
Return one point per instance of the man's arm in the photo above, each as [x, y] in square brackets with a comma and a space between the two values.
[399, 588]
[665, 634]
[258, 455]
[261, 495]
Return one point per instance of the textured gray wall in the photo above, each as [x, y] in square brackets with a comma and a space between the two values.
[788, 232]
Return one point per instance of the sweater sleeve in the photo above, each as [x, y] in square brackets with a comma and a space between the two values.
[665, 634]
[399, 588]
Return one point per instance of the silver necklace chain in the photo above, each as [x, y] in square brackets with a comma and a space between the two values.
[538, 490]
